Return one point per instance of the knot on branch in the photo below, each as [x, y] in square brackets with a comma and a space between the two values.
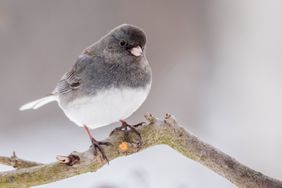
[70, 160]
[14, 160]
[170, 119]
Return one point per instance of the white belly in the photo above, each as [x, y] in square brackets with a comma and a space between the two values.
[106, 107]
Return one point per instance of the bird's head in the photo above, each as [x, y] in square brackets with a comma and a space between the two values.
[126, 40]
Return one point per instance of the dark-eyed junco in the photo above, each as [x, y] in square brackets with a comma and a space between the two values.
[108, 82]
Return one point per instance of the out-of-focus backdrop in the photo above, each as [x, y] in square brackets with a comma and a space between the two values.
[216, 66]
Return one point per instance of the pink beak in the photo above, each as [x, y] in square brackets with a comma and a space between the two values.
[136, 51]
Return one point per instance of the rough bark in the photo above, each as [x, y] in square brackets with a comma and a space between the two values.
[155, 132]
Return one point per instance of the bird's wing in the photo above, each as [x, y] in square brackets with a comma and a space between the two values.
[68, 82]
[71, 80]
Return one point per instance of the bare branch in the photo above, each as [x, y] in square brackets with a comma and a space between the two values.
[16, 162]
[156, 132]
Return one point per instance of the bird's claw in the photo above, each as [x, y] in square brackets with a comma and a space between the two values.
[125, 126]
[127, 129]
[97, 147]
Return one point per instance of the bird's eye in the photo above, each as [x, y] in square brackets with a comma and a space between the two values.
[75, 85]
[122, 43]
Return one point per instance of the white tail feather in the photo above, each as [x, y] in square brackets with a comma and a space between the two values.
[38, 103]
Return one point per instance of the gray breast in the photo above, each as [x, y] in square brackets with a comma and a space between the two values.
[99, 75]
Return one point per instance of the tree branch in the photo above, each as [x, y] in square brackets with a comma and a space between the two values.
[156, 132]
[16, 162]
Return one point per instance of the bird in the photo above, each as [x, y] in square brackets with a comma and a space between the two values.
[107, 83]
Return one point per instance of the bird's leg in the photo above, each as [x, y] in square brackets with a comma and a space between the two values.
[96, 144]
[125, 126]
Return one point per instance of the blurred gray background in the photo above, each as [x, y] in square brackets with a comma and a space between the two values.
[216, 67]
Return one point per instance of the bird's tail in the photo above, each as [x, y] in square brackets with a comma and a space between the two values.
[38, 103]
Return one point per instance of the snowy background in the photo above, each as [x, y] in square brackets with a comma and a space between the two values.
[216, 66]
